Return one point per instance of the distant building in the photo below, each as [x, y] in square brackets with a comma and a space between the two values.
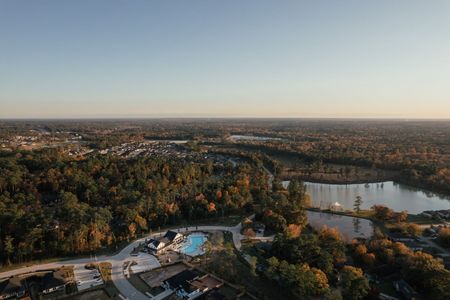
[170, 239]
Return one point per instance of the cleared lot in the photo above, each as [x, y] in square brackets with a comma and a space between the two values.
[156, 277]
[144, 262]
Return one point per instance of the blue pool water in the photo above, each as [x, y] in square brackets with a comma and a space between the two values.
[194, 245]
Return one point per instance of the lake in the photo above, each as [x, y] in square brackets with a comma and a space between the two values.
[349, 227]
[253, 138]
[397, 196]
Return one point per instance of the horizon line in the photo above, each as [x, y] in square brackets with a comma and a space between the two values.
[222, 117]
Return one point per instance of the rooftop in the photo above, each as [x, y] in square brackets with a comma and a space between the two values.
[182, 279]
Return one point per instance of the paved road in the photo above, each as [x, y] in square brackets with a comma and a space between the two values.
[117, 260]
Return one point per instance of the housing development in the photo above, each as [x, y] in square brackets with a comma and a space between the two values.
[208, 210]
[224, 150]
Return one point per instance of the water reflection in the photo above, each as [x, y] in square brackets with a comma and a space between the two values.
[349, 227]
[394, 195]
[356, 225]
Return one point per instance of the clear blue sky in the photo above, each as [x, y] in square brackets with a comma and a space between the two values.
[225, 58]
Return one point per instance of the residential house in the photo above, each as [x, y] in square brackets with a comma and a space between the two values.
[173, 237]
[156, 245]
[12, 288]
[191, 284]
[167, 242]
[180, 283]
[53, 281]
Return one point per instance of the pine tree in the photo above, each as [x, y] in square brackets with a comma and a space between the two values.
[357, 204]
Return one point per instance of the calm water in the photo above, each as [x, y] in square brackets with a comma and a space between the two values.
[396, 196]
[349, 227]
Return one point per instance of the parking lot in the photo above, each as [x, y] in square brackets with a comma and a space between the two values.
[86, 278]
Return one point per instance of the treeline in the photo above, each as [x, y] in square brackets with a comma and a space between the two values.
[51, 205]
[383, 257]
[425, 171]
[303, 263]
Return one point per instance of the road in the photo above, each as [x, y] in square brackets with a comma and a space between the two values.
[117, 261]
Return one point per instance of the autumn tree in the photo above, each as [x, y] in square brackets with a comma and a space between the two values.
[354, 285]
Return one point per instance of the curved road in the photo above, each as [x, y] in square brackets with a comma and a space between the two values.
[117, 261]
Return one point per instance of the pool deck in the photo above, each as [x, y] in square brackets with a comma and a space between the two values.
[199, 250]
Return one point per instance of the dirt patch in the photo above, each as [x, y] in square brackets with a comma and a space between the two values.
[155, 277]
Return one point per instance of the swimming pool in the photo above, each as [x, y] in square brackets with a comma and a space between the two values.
[193, 244]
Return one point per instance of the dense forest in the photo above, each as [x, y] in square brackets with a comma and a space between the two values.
[78, 187]
[414, 152]
[51, 205]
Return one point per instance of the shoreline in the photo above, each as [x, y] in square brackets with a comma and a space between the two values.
[437, 193]
[338, 182]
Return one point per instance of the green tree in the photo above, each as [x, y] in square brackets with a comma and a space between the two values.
[354, 285]
[9, 247]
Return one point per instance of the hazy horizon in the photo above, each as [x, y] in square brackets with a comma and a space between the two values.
[207, 59]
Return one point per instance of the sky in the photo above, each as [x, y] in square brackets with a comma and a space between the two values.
[252, 58]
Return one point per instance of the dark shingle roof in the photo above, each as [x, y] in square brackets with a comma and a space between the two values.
[182, 279]
[154, 242]
[170, 235]
[11, 286]
[52, 280]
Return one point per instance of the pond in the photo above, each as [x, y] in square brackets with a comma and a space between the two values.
[397, 196]
[349, 227]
